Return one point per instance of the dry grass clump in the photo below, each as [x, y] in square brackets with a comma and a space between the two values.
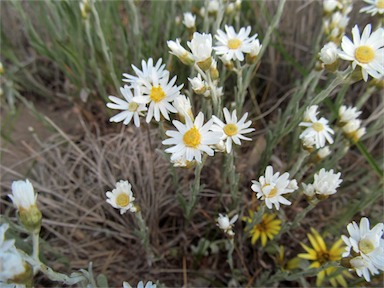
[72, 176]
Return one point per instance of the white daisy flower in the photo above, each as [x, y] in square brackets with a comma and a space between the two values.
[232, 130]
[350, 123]
[225, 224]
[122, 197]
[317, 129]
[363, 267]
[159, 93]
[12, 265]
[310, 113]
[271, 187]
[366, 51]
[323, 152]
[330, 5]
[201, 48]
[149, 284]
[329, 53]
[213, 6]
[255, 48]
[130, 108]
[199, 86]
[23, 196]
[366, 243]
[145, 75]
[191, 139]
[180, 52]
[189, 20]
[232, 45]
[183, 106]
[347, 114]
[374, 7]
[326, 182]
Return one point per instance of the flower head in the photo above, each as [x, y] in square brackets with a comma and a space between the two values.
[232, 130]
[183, 106]
[350, 123]
[23, 195]
[189, 20]
[325, 184]
[225, 224]
[147, 72]
[366, 246]
[191, 139]
[374, 7]
[131, 109]
[330, 5]
[268, 228]
[201, 47]
[12, 266]
[199, 86]
[271, 187]
[317, 129]
[122, 197]
[366, 50]
[159, 93]
[329, 53]
[232, 45]
[180, 52]
[320, 254]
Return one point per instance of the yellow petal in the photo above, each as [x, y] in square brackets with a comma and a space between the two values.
[317, 241]
[263, 239]
[320, 278]
[342, 281]
[307, 256]
[255, 236]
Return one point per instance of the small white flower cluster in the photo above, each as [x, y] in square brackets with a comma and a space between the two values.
[271, 187]
[194, 138]
[350, 124]
[336, 18]
[11, 263]
[365, 248]
[225, 224]
[317, 131]
[325, 183]
[151, 86]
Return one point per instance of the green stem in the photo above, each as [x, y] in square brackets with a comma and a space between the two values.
[299, 162]
[195, 190]
[370, 159]
[144, 236]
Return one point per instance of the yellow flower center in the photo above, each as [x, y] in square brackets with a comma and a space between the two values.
[234, 43]
[366, 246]
[192, 138]
[323, 256]
[122, 200]
[272, 193]
[380, 4]
[132, 107]
[157, 94]
[364, 54]
[230, 129]
[317, 126]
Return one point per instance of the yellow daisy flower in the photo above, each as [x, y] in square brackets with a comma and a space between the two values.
[268, 228]
[320, 255]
